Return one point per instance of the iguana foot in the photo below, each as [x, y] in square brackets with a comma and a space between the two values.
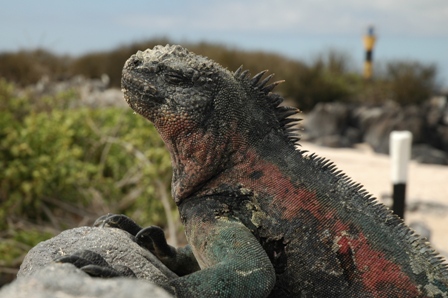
[181, 260]
[152, 238]
[94, 264]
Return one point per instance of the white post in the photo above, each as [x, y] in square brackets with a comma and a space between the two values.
[400, 153]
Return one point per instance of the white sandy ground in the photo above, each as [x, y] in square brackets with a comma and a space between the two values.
[427, 187]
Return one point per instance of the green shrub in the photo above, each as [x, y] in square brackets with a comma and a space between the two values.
[410, 82]
[327, 78]
[64, 167]
[28, 67]
[17, 243]
[70, 155]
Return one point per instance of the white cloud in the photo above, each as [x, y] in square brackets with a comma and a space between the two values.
[398, 17]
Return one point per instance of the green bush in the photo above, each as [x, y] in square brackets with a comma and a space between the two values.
[327, 78]
[28, 67]
[410, 82]
[64, 167]
[16, 243]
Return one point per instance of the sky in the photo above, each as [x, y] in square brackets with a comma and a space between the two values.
[302, 29]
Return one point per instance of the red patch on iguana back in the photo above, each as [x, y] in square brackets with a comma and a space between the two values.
[379, 275]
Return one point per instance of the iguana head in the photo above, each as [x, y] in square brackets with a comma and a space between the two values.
[203, 112]
[171, 87]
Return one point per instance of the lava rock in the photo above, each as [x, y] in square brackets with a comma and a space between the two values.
[66, 281]
[423, 153]
[116, 246]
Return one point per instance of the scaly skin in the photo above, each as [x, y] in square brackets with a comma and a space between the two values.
[262, 217]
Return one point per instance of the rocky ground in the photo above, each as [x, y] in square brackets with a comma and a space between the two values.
[345, 125]
[427, 191]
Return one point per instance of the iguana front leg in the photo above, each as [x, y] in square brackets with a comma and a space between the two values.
[233, 262]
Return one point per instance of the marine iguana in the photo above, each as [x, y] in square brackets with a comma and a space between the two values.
[262, 217]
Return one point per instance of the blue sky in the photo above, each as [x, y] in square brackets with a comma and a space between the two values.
[406, 29]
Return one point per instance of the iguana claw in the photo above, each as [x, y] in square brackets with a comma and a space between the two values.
[95, 265]
[153, 239]
[120, 221]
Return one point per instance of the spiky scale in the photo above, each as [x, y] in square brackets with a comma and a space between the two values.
[256, 78]
[294, 139]
[275, 100]
[283, 112]
[244, 74]
[237, 72]
[270, 87]
[290, 125]
[265, 81]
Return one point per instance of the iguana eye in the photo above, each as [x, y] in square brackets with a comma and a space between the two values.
[176, 78]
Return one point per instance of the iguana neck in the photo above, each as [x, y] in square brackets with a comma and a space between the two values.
[198, 158]
[205, 164]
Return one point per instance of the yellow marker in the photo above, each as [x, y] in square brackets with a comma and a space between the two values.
[369, 43]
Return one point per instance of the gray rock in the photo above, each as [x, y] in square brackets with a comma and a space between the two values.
[114, 245]
[423, 153]
[377, 136]
[442, 134]
[436, 111]
[103, 98]
[66, 281]
[376, 124]
[412, 119]
[335, 141]
[329, 125]
[93, 93]
[344, 125]
[326, 119]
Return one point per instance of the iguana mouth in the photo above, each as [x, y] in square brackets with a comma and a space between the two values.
[143, 97]
[136, 88]
[130, 84]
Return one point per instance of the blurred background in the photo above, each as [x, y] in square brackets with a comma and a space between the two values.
[70, 149]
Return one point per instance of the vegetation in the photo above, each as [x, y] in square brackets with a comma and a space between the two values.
[64, 167]
[410, 82]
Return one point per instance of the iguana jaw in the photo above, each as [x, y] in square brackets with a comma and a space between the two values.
[139, 92]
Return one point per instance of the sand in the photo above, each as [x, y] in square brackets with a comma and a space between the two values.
[426, 192]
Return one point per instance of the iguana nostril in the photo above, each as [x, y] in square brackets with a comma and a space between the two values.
[135, 62]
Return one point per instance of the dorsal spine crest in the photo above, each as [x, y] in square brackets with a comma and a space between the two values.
[282, 113]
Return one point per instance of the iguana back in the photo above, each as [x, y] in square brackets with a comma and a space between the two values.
[262, 216]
